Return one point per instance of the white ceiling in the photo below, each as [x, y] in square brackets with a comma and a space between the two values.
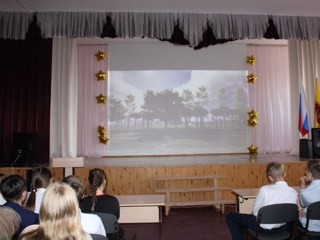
[261, 7]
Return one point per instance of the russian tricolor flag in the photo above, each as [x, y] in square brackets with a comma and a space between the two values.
[303, 115]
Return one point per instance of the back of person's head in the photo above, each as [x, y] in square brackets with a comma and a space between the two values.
[96, 178]
[313, 166]
[77, 185]
[41, 178]
[12, 187]
[275, 170]
[9, 223]
[59, 215]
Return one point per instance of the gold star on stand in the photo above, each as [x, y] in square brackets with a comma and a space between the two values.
[251, 78]
[101, 98]
[101, 55]
[253, 149]
[251, 59]
[101, 75]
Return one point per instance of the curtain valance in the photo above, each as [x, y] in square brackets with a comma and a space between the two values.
[193, 27]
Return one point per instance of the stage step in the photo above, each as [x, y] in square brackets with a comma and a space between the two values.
[195, 189]
[220, 203]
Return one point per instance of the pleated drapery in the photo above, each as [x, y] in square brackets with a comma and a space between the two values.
[159, 25]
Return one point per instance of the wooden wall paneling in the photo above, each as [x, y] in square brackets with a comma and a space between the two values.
[294, 172]
[140, 180]
[9, 171]
[57, 173]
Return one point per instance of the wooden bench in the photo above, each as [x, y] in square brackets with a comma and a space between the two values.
[214, 187]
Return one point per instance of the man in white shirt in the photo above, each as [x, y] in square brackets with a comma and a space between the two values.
[277, 191]
[91, 223]
[310, 192]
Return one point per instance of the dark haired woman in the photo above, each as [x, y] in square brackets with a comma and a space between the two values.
[41, 178]
[99, 201]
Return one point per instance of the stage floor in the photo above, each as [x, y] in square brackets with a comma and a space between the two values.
[190, 160]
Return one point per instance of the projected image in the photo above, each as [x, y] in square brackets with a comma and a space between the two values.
[177, 112]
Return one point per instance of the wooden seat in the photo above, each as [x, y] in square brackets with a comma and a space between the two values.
[214, 188]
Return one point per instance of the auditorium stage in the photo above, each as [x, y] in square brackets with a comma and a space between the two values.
[145, 161]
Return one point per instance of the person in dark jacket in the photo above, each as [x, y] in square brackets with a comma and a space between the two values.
[14, 191]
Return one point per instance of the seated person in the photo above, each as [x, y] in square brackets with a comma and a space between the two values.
[277, 191]
[9, 223]
[2, 200]
[14, 190]
[99, 201]
[310, 192]
[41, 178]
[91, 223]
[59, 215]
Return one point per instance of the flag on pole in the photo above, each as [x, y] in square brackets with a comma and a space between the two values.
[317, 106]
[303, 115]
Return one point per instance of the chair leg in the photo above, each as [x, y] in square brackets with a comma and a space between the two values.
[116, 227]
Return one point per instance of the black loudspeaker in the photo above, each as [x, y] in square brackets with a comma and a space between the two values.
[24, 149]
[305, 148]
[316, 142]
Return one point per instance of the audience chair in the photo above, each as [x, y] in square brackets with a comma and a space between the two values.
[313, 213]
[275, 214]
[110, 223]
[98, 237]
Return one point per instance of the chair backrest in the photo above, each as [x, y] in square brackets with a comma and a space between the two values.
[98, 237]
[313, 212]
[278, 213]
[110, 222]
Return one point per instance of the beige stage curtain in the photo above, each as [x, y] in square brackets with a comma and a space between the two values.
[91, 114]
[63, 112]
[304, 70]
[270, 96]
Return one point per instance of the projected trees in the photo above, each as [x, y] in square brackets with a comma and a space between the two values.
[169, 108]
[174, 112]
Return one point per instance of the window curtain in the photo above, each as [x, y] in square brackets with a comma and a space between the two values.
[270, 97]
[91, 114]
[63, 110]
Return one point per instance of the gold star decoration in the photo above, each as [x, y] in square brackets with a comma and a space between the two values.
[101, 55]
[101, 130]
[101, 98]
[253, 149]
[251, 59]
[103, 139]
[253, 113]
[101, 75]
[251, 78]
[252, 122]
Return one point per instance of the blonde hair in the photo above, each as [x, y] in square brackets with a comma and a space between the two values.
[275, 170]
[9, 222]
[59, 215]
